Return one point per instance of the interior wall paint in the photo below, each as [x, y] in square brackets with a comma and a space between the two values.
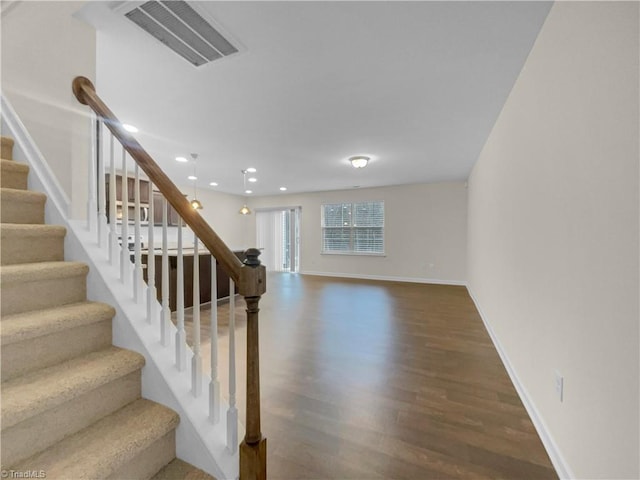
[425, 232]
[43, 48]
[220, 210]
[553, 235]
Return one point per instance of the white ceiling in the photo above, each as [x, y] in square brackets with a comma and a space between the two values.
[415, 85]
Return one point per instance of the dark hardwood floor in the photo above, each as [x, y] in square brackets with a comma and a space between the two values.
[370, 380]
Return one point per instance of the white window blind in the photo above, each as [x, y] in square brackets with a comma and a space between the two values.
[353, 228]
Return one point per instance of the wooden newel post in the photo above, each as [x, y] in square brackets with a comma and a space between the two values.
[253, 449]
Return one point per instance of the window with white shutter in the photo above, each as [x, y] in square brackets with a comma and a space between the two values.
[353, 228]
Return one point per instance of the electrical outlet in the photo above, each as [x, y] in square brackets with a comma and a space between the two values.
[559, 384]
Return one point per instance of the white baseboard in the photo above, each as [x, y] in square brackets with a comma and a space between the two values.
[386, 278]
[559, 463]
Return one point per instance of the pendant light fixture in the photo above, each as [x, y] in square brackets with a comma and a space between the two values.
[195, 203]
[245, 210]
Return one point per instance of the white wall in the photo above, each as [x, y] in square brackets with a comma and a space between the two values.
[43, 49]
[425, 232]
[553, 234]
[220, 210]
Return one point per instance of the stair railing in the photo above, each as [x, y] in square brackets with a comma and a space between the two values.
[249, 276]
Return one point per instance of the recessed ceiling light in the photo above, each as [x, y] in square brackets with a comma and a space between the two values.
[192, 177]
[252, 179]
[251, 170]
[181, 159]
[248, 191]
[213, 184]
[129, 128]
[283, 189]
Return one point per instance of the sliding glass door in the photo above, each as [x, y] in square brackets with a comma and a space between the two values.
[278, 236]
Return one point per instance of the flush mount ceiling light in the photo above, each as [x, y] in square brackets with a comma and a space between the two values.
[283, 189]
[181, 159]
[195, 203]
[213, 184]
[359, 161]
[245, 210]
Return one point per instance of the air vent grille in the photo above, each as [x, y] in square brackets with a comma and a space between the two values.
[176, 24]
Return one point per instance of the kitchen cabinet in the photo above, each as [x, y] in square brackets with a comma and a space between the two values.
[173, 217]
[131, 208]
[131, 184]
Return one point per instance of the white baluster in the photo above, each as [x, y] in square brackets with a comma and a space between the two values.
[151, 263]
[166, 312]
[196, 360]
[125, 262]
[232, 413]
[214, 385]
[91, 171]
[102, 195]
[181, 337]
[113, 233]
[137, 272]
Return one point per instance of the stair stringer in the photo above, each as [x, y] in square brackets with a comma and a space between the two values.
[198, 441]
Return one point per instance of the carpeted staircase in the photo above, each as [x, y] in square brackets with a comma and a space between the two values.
[70, 401]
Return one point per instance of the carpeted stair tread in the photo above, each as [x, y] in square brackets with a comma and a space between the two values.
[26, 196]
[31, 230]
[6, 148]
[30, 243]
[181, 470]
[36, 392]
[13, 174]
[33, 272]
[36, 286]
[102, 448]
[13, 166]
[28, 325]
[21, 206]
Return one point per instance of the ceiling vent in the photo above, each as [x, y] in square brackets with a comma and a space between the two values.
[181, 28]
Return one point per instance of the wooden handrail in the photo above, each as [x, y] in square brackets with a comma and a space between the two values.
[86, 94]
[250, 276]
